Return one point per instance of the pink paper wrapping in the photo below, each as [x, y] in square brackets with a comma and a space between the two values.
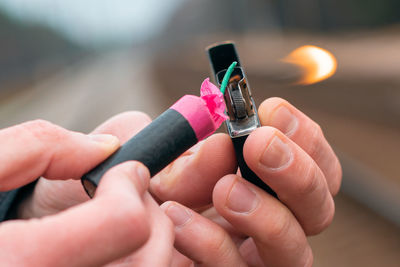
[205, 113]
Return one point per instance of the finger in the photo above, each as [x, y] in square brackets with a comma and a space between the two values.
[200, 239]
[94, 233]
[68, 193]
[214, 216]
[280, 114]
[50, 197]
[279, 238]
[293, 175]
[249, 252]
[124, 125]
[180, 260]
[37, 148]
[191, 178]
[160, 242]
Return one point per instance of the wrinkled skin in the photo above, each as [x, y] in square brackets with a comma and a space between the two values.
[209, 215]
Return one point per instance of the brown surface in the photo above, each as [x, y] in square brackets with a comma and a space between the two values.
[376, 146]
[357, 237]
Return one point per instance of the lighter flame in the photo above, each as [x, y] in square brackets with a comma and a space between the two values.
[318, 64]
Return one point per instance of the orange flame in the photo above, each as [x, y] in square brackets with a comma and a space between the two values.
[317, 63]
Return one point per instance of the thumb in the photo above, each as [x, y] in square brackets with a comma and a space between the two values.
[111, 225]
[39, 148]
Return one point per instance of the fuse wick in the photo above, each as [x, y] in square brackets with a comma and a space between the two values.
[227, 75]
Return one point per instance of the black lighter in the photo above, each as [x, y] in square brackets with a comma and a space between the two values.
[241, 109]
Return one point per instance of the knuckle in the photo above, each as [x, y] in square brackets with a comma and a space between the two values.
[330, 213]
[316, 143]
[44, 130]
[278, 227]
[132, 213]
[335, 182]
[310, 182]
[324, 221]
[219, 244]
[133, 219]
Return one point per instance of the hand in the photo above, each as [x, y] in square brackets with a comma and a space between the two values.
[246, 226]
[52, 196]
[115, 227]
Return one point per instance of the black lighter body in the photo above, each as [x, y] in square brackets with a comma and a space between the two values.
[243, 117]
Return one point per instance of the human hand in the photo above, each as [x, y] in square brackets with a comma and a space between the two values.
[52, 196]
[76, 237]
[191, 178]
[248, 226]
[113, 228]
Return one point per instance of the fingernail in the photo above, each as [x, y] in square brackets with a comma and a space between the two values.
[143, 174]
[241, 198]
[108, 140]
[277, 155]
[178, 214]
[284, 120]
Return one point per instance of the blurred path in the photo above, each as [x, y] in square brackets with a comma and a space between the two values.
[83, 95]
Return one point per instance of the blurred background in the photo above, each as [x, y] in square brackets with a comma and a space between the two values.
[76, 63]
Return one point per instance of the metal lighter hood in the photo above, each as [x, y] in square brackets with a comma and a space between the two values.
[241, 110]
